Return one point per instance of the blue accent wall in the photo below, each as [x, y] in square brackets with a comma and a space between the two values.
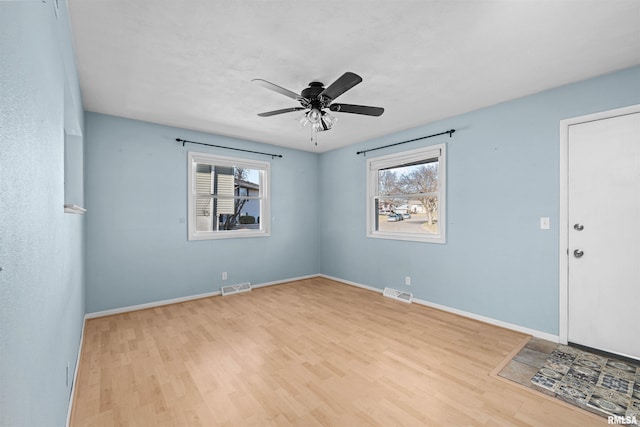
[137, 247]
[41, 247]
[503, 175]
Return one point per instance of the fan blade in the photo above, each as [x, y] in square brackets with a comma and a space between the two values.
[284, 110]
[357, 109]
[276, 88]
[340, 86]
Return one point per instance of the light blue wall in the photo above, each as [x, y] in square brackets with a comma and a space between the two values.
[503, 175]
[41, 248]
[136, 193]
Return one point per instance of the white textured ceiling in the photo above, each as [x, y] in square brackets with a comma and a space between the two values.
[189, 63]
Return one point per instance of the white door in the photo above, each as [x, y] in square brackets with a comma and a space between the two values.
[604, 234]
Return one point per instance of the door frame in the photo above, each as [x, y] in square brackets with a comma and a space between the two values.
[563, 299]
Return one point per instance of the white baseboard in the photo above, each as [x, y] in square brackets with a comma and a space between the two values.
[182, 299]
[348, 282]
[72, 395]
[279, 282]
[137, 307]
[489, 320]
[484, 319]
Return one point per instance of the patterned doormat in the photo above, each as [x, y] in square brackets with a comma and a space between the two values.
[599, 383]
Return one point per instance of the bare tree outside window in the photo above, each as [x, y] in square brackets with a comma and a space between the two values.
[230, 222]
[423, 180]
[405, 192]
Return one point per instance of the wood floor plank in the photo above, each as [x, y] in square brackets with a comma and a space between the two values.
[308, 353]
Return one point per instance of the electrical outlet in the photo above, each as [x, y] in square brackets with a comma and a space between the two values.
[407, 280]
[224, 275]
[544, 223]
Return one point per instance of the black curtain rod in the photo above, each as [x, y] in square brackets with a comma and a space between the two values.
[450, 132]
[184, 141]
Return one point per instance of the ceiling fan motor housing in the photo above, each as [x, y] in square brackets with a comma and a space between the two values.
[312, 94]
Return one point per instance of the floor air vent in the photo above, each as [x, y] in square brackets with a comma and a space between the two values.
[235, 289]
[399, 295]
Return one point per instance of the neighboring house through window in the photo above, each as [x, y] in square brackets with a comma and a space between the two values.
[406, 195]
[252, 204]
[228, 197]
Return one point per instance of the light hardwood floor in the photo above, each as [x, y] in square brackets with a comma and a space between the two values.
[308, 353]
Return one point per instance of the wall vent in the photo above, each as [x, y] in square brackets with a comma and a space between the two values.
[399, 295]
[235, 289]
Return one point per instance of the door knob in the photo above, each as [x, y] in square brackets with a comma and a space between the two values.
[578, 227]
[578, 253]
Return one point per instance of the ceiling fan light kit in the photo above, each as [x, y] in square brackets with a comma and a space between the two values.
[316, 98]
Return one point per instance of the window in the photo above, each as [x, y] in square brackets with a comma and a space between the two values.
[406, 195]
[228, 197]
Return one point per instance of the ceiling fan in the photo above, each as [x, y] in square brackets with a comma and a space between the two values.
[316, 98]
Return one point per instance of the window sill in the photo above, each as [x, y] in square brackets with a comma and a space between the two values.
[217, 235]
[437, 238]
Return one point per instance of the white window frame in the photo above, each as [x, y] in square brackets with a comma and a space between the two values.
[265, 210]
[437, 151]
